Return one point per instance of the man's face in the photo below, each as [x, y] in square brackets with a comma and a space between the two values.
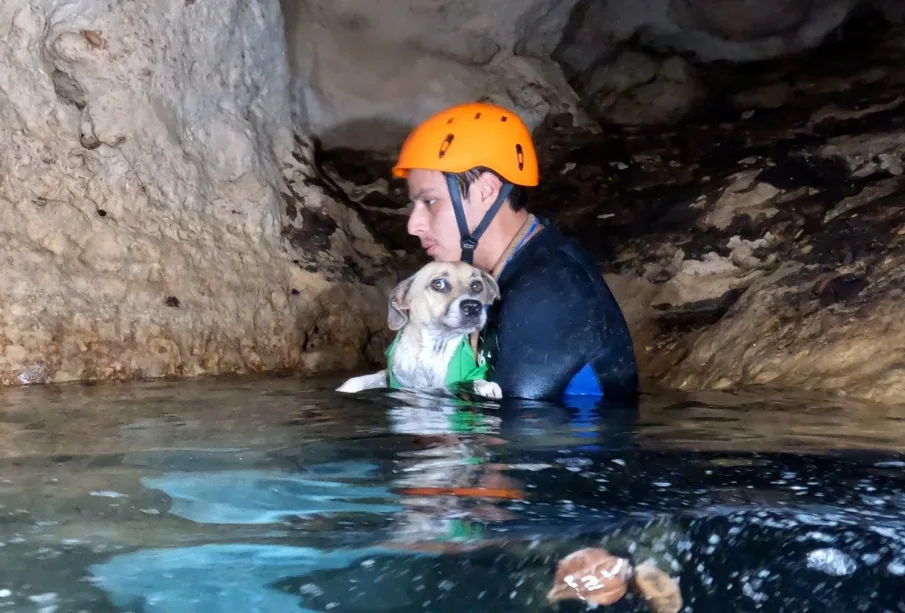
[433, 219]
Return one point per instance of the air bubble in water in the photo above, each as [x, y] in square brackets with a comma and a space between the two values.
[832, 562]
[896, 567]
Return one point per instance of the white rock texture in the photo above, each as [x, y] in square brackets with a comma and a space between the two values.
[637, 88]
[151, 221]
[367, 72]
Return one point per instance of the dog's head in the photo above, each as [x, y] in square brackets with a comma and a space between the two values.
[444, 296]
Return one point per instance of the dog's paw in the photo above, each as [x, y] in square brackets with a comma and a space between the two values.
[364, 382]
[350, 387]
[488, 389]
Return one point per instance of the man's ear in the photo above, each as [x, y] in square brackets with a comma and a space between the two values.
[488, 186]
[490, 287]
[398, 307]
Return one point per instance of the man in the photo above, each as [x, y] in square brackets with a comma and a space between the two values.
[557, 330]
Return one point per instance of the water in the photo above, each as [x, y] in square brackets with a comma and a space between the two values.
[274, 495]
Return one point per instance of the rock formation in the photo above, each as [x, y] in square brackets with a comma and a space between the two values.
[204, 189]
[757, 243]
[158, 216]
[747, 217]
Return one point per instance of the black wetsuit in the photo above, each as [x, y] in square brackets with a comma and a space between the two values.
[557, 330]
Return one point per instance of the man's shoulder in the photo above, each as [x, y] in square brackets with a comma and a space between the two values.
[559, 262]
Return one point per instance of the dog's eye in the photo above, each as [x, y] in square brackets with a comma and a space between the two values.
[477, 286]
[439, 285]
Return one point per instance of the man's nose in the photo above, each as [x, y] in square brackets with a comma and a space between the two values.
[417, 220]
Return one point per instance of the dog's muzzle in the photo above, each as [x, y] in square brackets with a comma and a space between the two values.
[470, 308]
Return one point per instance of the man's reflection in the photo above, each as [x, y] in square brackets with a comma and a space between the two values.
[458, 477]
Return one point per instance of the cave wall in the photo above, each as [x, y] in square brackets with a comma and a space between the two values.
[190, 188]
[155, 212]
[760, 240]
[745, 214]
[367, 72]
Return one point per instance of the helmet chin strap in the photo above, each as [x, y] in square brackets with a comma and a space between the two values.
[469, 241]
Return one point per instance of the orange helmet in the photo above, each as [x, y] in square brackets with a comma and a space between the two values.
[468, 135]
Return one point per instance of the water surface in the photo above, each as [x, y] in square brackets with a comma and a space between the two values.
[277, 495]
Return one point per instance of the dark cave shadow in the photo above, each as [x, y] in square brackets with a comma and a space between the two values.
[377, 138]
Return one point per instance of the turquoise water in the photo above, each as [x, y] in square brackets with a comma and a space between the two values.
[277, 495]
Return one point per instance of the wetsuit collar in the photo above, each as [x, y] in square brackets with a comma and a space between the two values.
[469, 240]
[531, 226]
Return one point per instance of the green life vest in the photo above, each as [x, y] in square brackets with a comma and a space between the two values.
[462, 366]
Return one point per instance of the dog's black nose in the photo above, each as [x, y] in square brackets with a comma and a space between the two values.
[470, 308]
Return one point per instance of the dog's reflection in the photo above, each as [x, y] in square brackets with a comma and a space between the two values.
[455, 476]
[450, 486]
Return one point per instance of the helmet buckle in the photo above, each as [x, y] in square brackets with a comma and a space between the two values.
[469, 242]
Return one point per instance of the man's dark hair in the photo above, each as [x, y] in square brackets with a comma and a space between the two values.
[465, 179]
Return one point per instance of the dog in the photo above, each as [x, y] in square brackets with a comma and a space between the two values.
[433, 311]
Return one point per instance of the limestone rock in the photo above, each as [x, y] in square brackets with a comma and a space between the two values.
[637, 88]
[737, 30]
[364, 76]
[744, 196]
[755, 252]
[467, 31]
[767, 97]
[153, 217]
[808, 332]
[867, 154]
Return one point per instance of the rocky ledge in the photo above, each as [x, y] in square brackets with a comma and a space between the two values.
[761, 240]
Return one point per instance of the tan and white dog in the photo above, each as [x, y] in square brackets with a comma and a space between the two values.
[435, 309]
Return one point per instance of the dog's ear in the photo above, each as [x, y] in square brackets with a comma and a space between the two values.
[490, 287]
[398, 307]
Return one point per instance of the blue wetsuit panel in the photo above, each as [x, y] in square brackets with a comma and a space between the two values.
[584, 383]
[557, 330]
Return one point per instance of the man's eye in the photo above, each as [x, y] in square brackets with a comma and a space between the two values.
[430, 202]
[439, 285]
[477, 286]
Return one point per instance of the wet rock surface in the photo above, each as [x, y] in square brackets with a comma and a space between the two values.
[638, 88]
[157, 215]
[758, 240]
[763, 236]
[176, 210]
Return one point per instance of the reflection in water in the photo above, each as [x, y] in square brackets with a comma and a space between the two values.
[269, 495]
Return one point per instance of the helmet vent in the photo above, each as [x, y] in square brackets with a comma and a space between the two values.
[477, 115]
[444, 146]
[520, 155]
[503, 118]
